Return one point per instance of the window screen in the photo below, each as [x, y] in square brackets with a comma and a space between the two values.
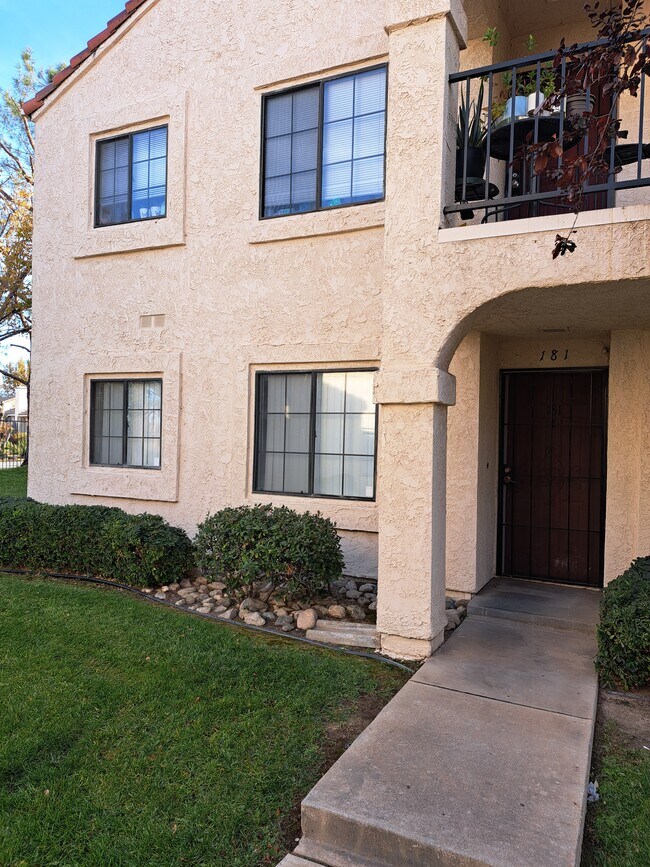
[315, 434]
[126, 423]
[324, 144]
[132, 177]
[149, 174]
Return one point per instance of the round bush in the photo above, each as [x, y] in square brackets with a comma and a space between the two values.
[624, 628]
[300, 552]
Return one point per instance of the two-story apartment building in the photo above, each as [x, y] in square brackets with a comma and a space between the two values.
[259, 277]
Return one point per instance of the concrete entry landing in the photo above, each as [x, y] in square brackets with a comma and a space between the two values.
[539, 602]
[482, 758]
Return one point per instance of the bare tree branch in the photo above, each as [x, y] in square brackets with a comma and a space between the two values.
[21, 169]
[15, 376]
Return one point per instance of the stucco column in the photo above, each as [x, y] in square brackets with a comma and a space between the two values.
[425, 37]
[412, 509]
[627, 529]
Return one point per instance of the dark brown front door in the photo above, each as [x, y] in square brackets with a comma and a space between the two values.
[553, 475]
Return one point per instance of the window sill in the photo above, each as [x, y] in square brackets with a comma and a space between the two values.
[138, 235]
[155, 232]
[338, 221]
[553, 223]
[124, 483]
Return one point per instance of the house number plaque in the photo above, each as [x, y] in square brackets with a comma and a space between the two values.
[554, 355]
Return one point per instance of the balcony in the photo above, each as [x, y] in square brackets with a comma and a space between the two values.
[503, 117]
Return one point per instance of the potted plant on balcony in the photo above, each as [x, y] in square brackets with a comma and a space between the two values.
[470, 138]
[529, 93]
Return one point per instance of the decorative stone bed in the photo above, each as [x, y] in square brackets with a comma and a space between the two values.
[456, 611]
[351, 600]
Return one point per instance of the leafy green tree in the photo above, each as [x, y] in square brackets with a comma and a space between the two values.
[16, 199]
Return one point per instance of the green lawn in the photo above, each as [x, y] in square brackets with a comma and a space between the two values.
[136, 735]
[13, 483]
[618, 826]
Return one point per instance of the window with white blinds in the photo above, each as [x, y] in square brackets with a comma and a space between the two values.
[324, 144]
[315, 434]
[126, 420]
[132, 177]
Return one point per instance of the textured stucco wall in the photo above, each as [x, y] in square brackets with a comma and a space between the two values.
[488, 462]
[386, 285]
[462, 466]
[628, 481]
[236, 294]
[472, 468]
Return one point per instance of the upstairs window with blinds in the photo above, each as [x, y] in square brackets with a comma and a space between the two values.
[131, 183]
[324, 144]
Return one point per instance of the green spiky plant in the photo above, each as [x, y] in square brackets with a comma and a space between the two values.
[470, 120]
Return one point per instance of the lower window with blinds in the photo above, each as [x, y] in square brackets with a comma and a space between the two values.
[315, 434]
[125, 425]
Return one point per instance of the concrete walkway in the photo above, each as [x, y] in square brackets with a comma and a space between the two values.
[483, 757]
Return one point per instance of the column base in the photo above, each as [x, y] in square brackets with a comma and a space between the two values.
[397, 647]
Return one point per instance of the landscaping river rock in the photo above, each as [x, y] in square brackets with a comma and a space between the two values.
[348, 599]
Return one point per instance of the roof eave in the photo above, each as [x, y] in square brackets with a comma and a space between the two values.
[31, 106]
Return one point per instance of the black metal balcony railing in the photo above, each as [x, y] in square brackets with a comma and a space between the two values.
[501, 116]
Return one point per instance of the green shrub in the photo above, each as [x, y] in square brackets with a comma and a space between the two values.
[299, 552]
[140, 550]
[624, 628]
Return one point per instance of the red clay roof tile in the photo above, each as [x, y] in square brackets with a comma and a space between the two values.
[36, 102]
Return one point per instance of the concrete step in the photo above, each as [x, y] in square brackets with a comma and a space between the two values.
[295, 861]
[335, 625]
[345, 634]
[482, 758]
[449, 778]
[538, 602]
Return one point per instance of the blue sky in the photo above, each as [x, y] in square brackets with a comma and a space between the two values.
[55, 29]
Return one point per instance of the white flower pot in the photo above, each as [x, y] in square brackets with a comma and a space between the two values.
[534, 102]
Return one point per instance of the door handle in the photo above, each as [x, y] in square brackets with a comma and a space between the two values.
[507, 478]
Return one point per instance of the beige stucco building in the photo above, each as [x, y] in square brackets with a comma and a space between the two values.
[249, 287]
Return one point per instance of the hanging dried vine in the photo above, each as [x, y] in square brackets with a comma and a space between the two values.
[613, 65]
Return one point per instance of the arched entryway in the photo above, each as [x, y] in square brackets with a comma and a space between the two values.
[547, 470]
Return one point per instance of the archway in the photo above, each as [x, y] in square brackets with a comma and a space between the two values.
[549, 342]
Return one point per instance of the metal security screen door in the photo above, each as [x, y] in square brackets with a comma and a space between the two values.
[553, 454]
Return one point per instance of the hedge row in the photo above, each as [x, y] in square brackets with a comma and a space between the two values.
[624, 629]
[140, 550]
[299, 552]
